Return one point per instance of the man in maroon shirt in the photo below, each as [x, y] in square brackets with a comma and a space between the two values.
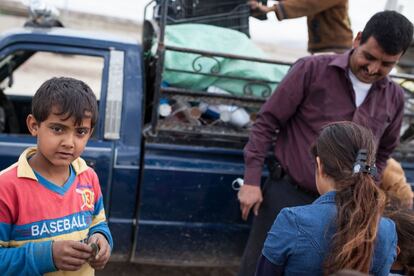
[353, 86]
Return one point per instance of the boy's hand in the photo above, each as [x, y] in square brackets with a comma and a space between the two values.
[102, 257]
[70, 255]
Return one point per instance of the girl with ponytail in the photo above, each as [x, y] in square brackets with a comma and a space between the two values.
[344, 227]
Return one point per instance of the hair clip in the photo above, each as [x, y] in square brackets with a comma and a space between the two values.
[362, 155]
[361, 166]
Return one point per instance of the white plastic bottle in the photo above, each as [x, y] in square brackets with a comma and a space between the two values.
[164, 108]
[232, 114]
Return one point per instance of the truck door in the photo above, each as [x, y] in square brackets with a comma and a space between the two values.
[23, 68]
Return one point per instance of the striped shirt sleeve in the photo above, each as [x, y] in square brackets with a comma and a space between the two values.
[99, 222]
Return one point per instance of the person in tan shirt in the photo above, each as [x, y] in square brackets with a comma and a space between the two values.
[329, 27]
[395, 185]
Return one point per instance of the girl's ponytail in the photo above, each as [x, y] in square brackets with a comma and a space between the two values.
[359, 208]
[347, 155]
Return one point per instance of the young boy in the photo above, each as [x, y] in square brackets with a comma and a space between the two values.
[51, 208]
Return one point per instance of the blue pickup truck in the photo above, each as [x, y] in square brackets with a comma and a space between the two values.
[167, 187]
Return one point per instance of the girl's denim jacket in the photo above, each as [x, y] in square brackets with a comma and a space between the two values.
[300, 237]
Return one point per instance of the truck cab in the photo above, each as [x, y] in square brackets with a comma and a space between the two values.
[30, 56]
[186, 212]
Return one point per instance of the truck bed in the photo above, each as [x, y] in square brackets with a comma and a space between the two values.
[204, 130]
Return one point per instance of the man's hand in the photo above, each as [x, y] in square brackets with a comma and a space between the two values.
[259, 7]
[70, 255]
[249, 196]
[99, 261]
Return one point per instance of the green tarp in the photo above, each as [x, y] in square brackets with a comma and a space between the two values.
[222, 40]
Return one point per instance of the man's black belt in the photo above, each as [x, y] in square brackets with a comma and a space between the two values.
[289, 179]
[277, 173]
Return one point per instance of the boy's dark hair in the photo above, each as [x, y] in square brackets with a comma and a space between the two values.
[70, 96]
[392, 30]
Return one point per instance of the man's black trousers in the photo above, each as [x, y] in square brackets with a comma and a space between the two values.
[277, 194]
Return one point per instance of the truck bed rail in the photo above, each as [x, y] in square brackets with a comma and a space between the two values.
[248, 99]
[215, 129]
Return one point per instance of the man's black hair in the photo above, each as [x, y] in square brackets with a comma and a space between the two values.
[392, 30]
[70, 96]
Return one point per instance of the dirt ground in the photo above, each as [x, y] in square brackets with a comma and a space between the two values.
[119, 269]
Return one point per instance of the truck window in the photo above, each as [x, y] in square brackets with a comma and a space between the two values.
[42, 66]
[27, 70]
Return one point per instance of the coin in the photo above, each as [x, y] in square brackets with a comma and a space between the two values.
[95, 249]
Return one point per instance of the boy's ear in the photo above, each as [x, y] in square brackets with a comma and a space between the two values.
[32, 125]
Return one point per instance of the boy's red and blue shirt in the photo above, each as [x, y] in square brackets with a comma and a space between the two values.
[34, 212]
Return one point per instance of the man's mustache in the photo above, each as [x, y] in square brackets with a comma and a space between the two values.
[366, 70]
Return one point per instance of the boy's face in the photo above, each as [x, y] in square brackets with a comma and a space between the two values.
[59, 141]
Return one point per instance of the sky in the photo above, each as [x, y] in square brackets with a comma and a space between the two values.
[292, 33]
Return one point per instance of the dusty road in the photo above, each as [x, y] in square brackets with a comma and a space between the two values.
[118, 269]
